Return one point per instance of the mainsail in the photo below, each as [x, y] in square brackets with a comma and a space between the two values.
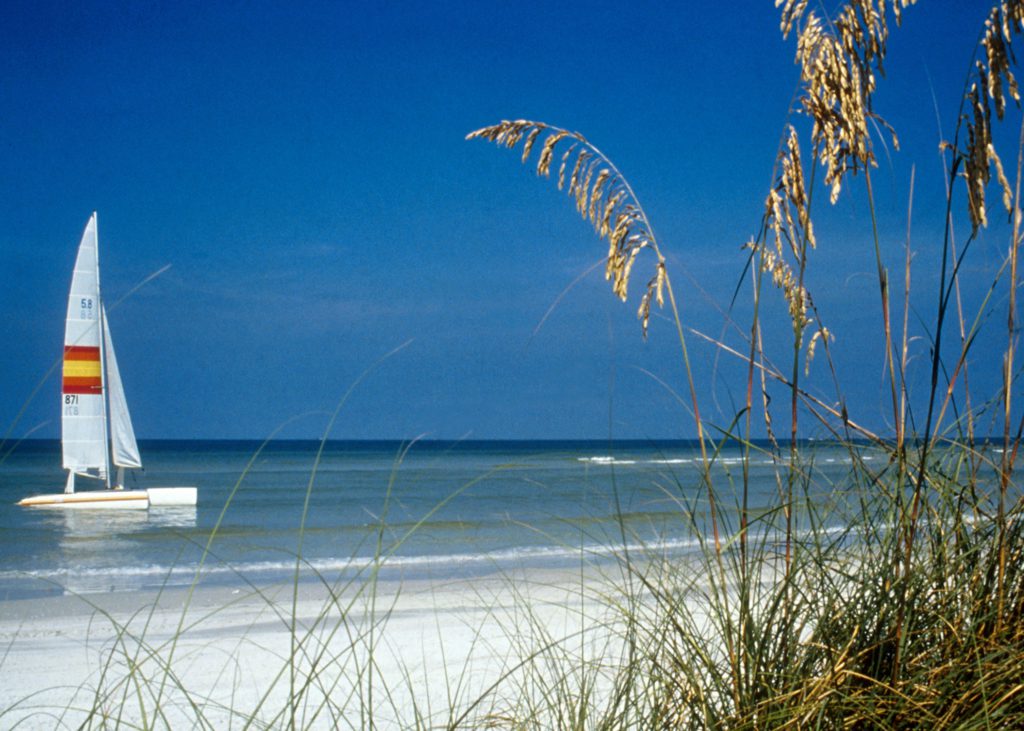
[83, 420]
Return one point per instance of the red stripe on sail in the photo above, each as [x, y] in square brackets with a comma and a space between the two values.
[81, 352]
[82, 385]
[83, 390]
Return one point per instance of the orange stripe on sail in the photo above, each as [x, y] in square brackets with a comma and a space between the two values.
[82, 352]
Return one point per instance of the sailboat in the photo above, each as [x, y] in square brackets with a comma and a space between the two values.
[96, 428]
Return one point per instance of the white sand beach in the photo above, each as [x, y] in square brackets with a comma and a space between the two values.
[411, 653]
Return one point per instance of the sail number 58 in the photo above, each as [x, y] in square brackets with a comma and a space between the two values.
[87, 313]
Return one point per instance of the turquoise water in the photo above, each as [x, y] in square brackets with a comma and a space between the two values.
[435, 509]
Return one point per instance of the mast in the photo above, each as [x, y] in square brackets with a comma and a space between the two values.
[103, 356]
[103, 378]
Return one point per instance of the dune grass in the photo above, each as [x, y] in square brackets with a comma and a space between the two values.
[911, 613]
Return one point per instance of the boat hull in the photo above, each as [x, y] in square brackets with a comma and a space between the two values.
[115, 499]
[107, 499]
[160, 496]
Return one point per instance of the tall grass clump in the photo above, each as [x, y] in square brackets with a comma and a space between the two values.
[896, 596]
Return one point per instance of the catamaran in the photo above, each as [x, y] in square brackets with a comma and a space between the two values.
[96, 428]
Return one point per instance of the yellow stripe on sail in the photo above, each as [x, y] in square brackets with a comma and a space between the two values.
[81, 369]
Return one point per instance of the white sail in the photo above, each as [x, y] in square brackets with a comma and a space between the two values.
[83, 420]
[122, 436]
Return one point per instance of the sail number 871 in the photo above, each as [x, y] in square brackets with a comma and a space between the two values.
[71, 404]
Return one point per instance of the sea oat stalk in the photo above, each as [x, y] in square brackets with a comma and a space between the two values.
[604, 197]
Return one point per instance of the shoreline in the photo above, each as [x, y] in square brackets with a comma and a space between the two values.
[225, 577]
[435, 645]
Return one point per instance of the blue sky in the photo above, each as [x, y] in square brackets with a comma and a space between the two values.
[303, 169]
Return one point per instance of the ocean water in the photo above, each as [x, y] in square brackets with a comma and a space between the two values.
[431, 509]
